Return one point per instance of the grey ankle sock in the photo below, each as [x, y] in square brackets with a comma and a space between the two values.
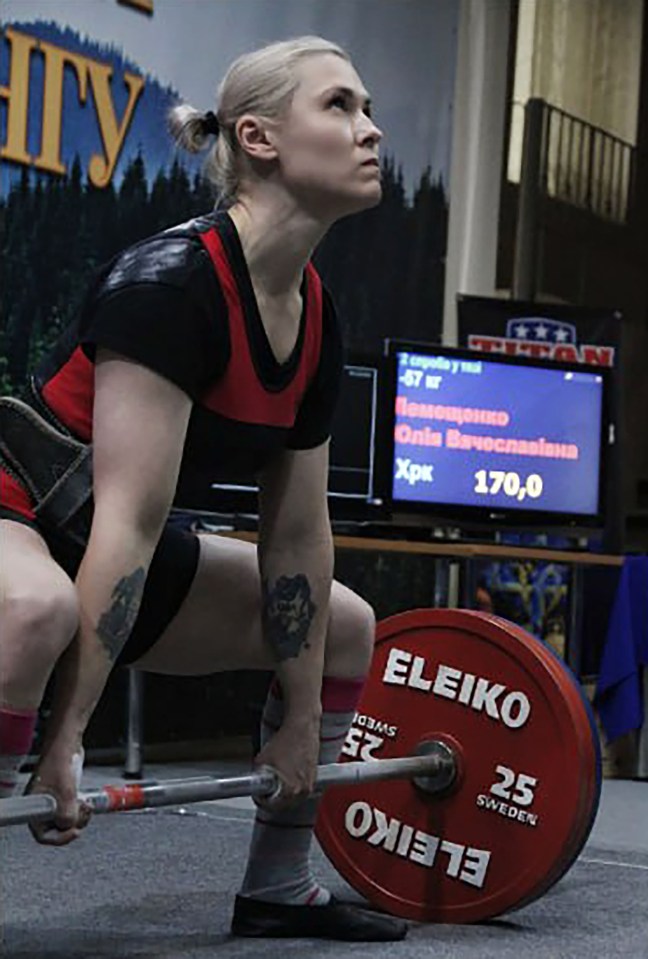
[278, 867]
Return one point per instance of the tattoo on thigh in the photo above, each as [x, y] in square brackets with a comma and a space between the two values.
[117, 622]
[288, 612]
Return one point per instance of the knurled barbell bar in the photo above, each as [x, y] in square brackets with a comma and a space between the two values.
[434, 770]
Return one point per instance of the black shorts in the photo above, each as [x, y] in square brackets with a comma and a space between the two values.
[169, 579]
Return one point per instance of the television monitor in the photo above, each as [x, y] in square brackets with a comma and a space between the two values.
[491, 438]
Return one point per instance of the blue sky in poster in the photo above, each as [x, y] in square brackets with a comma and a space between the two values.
[80, 131]
[405, 51]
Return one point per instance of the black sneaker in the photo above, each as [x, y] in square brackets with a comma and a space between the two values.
[335, 920]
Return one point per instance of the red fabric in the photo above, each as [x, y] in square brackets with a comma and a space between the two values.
[70, 394]
[14, 496]
[338, 695]
[341, 695]
[239, 394]
[16, 731]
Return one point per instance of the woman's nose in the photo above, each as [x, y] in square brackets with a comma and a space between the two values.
[369, 132]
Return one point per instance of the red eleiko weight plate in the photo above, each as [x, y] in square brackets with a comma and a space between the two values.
[524, 802]
[591, 773]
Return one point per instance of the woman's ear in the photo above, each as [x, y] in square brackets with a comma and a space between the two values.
[255, 137]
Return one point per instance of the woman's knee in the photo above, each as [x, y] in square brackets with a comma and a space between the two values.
[38, 623]
[351, 637]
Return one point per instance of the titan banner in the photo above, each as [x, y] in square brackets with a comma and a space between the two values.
[567, 334]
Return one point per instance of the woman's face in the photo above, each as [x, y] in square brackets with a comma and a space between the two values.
[327, 145]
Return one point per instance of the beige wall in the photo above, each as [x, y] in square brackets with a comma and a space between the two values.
[583, 56]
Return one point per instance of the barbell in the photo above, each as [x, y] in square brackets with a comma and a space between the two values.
[433, 769]
[468, 782]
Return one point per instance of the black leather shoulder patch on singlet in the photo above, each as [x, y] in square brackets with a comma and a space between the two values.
[168, 258]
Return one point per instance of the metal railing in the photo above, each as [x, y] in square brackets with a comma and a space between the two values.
[582, 164]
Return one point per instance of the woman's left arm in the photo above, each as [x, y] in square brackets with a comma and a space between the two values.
[296, 568]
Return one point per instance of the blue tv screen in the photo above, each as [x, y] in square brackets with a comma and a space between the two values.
[495, 434]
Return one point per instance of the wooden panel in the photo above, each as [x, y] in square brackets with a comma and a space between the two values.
[459, 550]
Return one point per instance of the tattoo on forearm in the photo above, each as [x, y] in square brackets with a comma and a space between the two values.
[117, 622]
[288, 612]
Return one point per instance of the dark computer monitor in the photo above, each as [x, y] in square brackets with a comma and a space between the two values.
[351, 458]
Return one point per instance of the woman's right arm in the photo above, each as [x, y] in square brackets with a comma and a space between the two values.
[139, 426]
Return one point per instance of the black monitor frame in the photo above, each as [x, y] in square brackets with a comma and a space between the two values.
[241, 499]
[483, 517]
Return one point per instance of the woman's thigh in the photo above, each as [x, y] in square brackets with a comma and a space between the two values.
[218, 626]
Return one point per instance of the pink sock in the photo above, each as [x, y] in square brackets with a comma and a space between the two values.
[340, 695]
[16, 733]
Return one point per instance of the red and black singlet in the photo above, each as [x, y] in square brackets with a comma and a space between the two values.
[182, 304]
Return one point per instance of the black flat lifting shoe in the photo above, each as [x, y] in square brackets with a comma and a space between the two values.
[335, 920]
